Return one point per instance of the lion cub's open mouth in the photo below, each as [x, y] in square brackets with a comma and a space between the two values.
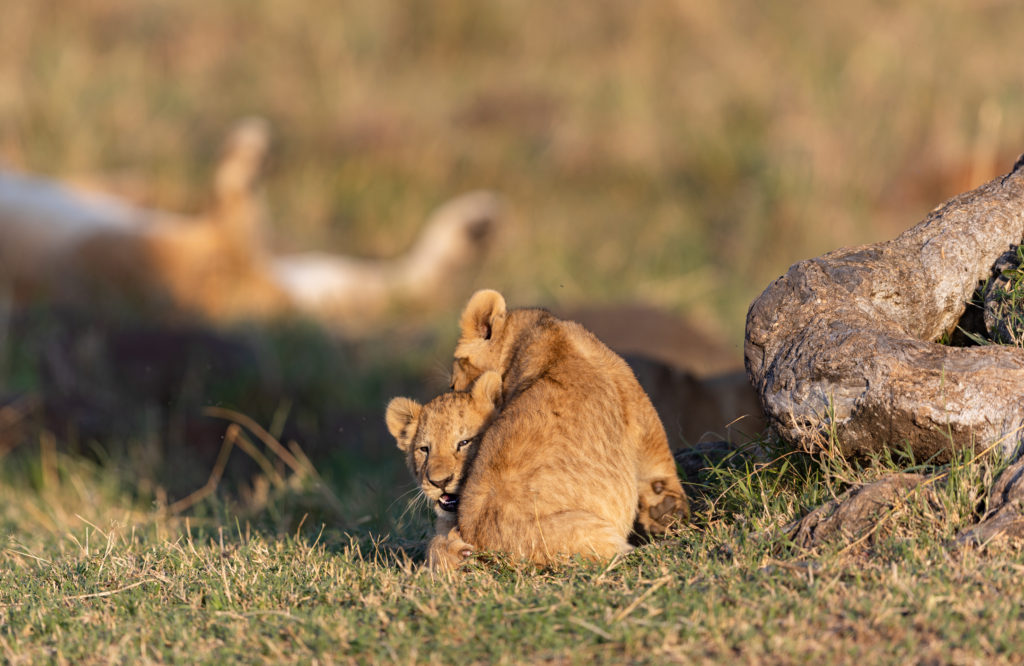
[448, 502]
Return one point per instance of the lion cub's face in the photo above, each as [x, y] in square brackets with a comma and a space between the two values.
[440, 438]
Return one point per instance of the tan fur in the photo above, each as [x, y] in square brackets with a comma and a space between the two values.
[577, 452]
[440, 440]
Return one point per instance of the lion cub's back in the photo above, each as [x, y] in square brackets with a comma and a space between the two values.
[635, 408]
[560, 445]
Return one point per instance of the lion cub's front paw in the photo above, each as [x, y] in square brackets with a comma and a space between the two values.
[448, 551]
[662, 507]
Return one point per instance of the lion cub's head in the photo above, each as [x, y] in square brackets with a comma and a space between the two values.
[440, 438]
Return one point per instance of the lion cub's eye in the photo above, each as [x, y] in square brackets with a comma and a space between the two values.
[465, 442]
[424, 449]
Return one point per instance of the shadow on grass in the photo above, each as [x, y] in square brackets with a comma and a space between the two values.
[277, 427]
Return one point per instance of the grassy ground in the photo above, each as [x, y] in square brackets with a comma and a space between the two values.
[680, 154]
[91, 575]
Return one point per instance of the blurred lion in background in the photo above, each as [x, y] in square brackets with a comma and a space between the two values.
[64, 244]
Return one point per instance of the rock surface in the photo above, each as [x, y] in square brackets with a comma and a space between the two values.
[856, 514]
[846, 343]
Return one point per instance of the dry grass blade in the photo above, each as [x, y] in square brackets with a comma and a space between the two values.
[269, 440]
[110, 593]
[250, 448]
[297, 461]
[230, 436]
[640, 599]
[590, 626]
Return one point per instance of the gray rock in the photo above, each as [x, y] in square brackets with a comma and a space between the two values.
[842, 350]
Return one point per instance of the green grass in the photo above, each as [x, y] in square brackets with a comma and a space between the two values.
[90, 574]
[995, 312]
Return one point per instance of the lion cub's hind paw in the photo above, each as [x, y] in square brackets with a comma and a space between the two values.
[662, 508]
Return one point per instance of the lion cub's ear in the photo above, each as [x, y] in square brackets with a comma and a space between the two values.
[401, 416]
[483, 316]
[487, 390]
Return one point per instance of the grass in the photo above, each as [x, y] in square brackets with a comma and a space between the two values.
[92, 575]
[995, 312]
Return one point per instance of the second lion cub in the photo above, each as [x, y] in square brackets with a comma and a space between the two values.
[440, 440]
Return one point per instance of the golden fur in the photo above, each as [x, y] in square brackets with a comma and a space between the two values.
[440, 440]
[577, 452]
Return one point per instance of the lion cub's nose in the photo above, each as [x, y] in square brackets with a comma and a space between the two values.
[442, 483]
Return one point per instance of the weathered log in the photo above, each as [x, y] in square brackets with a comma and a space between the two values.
[855, 513]
[846, 343]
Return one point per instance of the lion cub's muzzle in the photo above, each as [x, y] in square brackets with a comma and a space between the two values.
[448, 502]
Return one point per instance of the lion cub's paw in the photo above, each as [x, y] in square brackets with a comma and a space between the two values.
[447, 552]
[662, 507]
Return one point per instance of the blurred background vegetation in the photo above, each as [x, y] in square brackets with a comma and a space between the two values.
[680, 154]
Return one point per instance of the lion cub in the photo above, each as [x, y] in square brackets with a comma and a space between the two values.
[440, 440]
[577, 452]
